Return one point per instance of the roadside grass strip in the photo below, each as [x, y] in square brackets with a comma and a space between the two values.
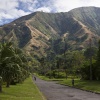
[93, 86]
[25, 91]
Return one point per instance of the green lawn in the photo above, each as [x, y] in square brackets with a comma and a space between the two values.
[25, 91]
[82, 84]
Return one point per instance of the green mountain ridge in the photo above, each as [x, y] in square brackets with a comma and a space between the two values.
[35, 32]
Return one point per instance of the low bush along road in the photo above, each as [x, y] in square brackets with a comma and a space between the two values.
[54, 91]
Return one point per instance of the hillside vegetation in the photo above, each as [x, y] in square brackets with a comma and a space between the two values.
[35, 32]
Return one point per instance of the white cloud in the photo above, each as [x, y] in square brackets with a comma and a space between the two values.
[12, 9]
[44, 9]
[8, 4]
[66, 5]
[25, 1]
[61, 5]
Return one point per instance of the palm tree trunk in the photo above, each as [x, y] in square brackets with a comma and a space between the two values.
[58, 73]
[0, 88]
[8, 84]
[66, 73]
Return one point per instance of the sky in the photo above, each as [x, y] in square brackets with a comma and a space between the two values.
[13, 9]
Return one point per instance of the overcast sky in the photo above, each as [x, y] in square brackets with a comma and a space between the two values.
[12, 9]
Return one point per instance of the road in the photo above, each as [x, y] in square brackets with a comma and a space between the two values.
[54, 91]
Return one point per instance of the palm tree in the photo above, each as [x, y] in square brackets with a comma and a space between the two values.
[7, 65]
[13, 63]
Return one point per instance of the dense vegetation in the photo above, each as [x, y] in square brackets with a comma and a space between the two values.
[83, 64]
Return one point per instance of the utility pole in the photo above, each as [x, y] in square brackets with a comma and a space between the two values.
[65, 57]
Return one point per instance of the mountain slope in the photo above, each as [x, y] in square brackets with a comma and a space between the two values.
[35, 32]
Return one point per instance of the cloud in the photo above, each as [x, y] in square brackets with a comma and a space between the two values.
[39, 5]
[61, 5]
[9, 9]
[12, 9]
[8, 4]
[66, 5]
[45, 9]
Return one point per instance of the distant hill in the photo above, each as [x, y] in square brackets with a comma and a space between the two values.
[35, 32]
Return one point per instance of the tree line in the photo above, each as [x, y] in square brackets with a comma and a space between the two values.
[84, 64]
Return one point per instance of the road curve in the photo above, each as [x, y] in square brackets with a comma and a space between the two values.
[53, 91]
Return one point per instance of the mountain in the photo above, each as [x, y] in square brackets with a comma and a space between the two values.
[38, 32]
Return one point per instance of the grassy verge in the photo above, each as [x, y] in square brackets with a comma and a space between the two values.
[93, 86]
[25, 91]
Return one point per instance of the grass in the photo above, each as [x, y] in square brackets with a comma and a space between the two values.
[25, 91]
[93, 86]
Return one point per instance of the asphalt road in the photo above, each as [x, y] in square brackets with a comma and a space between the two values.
[54, 91]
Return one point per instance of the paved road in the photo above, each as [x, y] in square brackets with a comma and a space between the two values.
[53, 91]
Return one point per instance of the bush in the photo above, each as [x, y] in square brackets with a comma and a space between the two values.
[55, 74]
